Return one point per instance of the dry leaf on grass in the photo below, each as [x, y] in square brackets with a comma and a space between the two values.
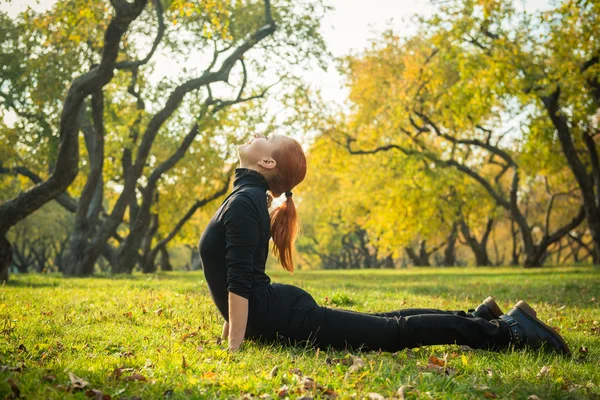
[283, 391]
[76, 382]
[439, 365]
[533, 397]
[544, 371]
[188, 335]
[119, 371]
[327, 392]
[490, 395]
[184, 365]
[401, 392]
[375, 396]
[16, 392]
[308, 384]
[356, 366]
[136, 377]
[49, 378]
[97, 395]
[274, 371]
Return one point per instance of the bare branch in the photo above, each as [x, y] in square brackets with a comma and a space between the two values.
[159, 35]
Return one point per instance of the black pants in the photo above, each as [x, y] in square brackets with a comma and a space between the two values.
[283, 311]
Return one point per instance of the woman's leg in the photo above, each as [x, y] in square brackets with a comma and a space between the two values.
[341, 329]
[290, 312]
[420, 311]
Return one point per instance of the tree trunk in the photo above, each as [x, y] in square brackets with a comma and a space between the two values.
[165, 263]
[450, 250]
[589, 183]
[479, 247]
[5, 258]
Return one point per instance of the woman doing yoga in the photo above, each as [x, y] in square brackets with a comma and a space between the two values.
[234, 248]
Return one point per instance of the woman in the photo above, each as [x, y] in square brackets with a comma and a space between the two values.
[234, 248]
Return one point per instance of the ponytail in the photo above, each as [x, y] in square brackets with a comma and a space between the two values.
[290, 171]
[284, 229]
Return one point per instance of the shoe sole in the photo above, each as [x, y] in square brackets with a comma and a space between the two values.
[493, 307]
[531, 314]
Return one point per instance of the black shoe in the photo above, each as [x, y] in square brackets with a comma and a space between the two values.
[487, 310]
[526, 329]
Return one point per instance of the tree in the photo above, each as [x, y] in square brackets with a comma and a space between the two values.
[557, 73]
[65, 169]
[444, 116]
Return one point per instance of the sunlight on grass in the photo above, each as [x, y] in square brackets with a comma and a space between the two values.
[156, 335]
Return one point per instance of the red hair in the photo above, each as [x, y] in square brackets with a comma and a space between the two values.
[290, 171]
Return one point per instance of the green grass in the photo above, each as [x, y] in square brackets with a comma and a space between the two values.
[51, 326]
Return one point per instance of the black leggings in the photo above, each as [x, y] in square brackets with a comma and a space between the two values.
[287, 312]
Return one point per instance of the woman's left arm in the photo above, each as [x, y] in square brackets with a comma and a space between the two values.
[238, 318]
[242, 233]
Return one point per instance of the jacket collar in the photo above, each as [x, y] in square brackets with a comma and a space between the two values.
[247, 176]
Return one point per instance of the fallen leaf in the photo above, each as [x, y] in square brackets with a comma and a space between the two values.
[158, 312]
[119, 371]
[274, 371]
[308, 384]
[436, 361]
[438, 365]
[188, 335]
[265, 396]
[15, 389]
[49, 378]
[533, 397]
[490, 395]
[375, 396]
[76, 382]
[544, 371]
[356, 366]
[296, 371]
[136, 377]
[17, 368]
[327, 392]
[97, 394]
[283, 391]
[401, 392]
[61, 387]
[562, 308]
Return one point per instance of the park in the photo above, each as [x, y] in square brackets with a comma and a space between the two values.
[252, 198]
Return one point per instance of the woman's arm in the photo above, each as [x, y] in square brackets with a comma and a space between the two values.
[238, 318]
[225, 333]
[242, 233]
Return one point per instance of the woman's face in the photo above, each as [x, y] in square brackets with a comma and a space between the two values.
[259, 148]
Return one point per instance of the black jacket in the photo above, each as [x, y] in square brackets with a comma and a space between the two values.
[235, 244]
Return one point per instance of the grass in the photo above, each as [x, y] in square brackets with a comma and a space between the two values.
[155, 336]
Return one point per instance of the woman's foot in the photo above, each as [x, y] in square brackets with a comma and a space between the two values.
[526, 329]
[487, 310]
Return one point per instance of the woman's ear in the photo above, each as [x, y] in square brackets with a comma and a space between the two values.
[267, 163]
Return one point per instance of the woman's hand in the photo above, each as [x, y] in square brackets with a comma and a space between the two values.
[238, 318]
[225, 333]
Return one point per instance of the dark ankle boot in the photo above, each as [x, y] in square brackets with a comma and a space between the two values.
[487, 310]
[527, 330]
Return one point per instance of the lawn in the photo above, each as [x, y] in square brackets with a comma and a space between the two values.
[155, 336]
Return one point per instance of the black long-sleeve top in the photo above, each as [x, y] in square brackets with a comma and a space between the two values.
[235, 244]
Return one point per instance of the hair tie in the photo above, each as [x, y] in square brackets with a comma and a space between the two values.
[288, 194]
